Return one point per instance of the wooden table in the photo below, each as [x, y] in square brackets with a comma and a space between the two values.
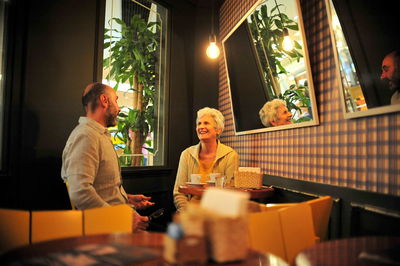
[263, 192]
[349, 251]
[149, 241]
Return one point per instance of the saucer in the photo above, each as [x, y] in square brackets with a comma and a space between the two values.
[195, 184]
[211, 183]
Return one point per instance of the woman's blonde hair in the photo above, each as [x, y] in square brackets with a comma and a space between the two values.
[269, 113]
[215, 114]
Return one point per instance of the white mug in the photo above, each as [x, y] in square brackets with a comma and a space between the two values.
[195, 178]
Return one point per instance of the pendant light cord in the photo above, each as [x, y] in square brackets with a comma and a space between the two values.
[212, 18]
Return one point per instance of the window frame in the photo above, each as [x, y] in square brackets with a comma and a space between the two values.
[98, 76]
[14, 33]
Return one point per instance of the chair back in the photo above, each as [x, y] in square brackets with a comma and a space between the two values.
[276, 206]
[297, 229]
[321, 212]
[49, 225]
[14, 229]
[110, 219]
[265, 233]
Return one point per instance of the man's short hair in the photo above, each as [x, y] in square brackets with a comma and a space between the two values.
[396, 58]
[90, 96]
[269, 113]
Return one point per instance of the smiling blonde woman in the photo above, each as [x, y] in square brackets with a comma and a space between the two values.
[275, 113]
[208, 156]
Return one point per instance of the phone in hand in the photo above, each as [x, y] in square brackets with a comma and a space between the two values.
[156, 214]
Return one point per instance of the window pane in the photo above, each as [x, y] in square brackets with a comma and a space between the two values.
[134, 65]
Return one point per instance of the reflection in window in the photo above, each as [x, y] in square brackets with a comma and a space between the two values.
[134, 65]
[3, 16]
[352, 92]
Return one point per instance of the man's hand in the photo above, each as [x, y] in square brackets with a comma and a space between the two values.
[140, 201]
[140, 223]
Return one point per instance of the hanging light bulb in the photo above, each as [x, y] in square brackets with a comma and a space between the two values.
[212, 49]
[287, 42]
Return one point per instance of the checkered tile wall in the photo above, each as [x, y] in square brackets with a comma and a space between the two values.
[360, 153]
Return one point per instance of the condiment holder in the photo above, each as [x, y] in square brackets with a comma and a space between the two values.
[208, 230]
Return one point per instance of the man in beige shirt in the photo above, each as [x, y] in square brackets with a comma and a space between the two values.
[90, 163]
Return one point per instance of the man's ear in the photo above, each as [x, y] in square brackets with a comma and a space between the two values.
[272, 122]
[103, 100]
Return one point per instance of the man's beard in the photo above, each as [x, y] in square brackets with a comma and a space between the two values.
[111, 116]
[394, 82]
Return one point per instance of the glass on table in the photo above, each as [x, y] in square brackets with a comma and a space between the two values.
[220, 181]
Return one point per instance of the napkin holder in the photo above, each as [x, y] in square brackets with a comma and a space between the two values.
[222, 236]
[227, 238]
[245, 179]
[187, 250]
[191, 248]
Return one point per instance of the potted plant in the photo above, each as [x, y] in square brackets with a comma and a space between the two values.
[296, 98]
[132, 60]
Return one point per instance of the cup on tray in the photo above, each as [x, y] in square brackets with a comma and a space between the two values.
[195, 178]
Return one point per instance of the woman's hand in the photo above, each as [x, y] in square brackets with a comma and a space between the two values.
[140, 201]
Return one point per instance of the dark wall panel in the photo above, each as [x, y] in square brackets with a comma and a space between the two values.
[58, 45]
[15, 55]
[205, 70]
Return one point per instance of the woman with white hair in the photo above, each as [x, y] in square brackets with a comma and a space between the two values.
[275, 113]
[208, 156]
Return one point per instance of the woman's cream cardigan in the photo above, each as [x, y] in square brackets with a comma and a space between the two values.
[226, 162]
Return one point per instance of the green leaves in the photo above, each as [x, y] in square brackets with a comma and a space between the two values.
[266, 27]
[133, 58]
[294, 27]
[134, 51]
[295, 98]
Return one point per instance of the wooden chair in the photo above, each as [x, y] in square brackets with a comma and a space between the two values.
[276, 206]
[265, 234]
[49, 225]
[110, 219]
[282, 231]
[14, 229]
[321, 212]
[297, 229]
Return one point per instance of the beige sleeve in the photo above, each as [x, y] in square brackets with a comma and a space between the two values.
[181, 199]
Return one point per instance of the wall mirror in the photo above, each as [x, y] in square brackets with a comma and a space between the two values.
[363, 34]
[261, 68]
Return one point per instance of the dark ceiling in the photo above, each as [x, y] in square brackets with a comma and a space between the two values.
[205, 3]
